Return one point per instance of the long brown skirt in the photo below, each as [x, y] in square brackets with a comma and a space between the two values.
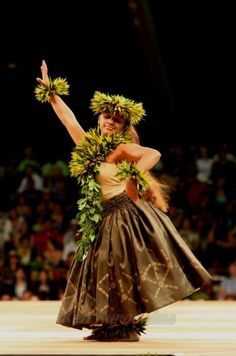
[137, 264]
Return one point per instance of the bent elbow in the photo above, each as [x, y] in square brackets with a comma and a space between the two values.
[158, 155]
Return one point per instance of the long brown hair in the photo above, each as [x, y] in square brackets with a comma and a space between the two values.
[158, 193]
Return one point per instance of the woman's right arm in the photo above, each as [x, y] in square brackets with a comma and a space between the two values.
[64, 113]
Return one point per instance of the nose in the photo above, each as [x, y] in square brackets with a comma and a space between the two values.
[111, 120]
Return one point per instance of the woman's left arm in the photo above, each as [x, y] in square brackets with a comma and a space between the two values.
[145, 157]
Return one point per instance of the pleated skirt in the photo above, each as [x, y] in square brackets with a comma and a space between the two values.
[137, 264]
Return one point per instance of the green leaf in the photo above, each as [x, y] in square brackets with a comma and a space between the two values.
[96, 218]
[79, 254]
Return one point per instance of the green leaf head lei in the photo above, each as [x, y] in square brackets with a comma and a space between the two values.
[131, 111]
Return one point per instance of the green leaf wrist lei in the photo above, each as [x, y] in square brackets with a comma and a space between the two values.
[57, 86]
[130, 170]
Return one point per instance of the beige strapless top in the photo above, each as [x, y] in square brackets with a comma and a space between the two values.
[110, 184]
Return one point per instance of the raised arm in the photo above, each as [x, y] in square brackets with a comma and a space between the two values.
[64, 113]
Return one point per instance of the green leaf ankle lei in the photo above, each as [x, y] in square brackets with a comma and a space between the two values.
[87, 157]
[118, 330]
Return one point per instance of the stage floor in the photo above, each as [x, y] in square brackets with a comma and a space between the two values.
[200, 328]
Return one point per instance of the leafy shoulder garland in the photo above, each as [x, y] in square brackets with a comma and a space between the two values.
[87, 157]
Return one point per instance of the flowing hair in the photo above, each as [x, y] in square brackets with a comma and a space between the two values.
[158, 193]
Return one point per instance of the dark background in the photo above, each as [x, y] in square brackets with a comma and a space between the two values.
[176, 57]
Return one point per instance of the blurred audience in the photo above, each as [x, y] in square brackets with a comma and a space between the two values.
[38, 229]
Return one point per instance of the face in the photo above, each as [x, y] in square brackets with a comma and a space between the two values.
[110, 123]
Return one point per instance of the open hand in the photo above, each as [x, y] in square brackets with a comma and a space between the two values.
[45, 78]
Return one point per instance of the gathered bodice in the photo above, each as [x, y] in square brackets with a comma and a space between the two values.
[110, 184]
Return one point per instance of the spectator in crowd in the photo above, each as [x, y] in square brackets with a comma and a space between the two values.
[227, 289]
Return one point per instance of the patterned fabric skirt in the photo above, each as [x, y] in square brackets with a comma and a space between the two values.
[137, 264]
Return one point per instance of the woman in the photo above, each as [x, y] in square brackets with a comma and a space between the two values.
[130, 260]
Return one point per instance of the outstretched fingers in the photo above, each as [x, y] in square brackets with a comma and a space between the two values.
[44, 71]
